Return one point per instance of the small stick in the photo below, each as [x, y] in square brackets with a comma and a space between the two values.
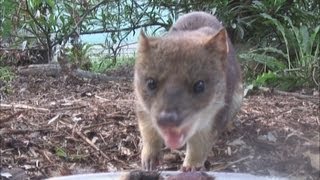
[44, 153]
[22, 131]
[91, 144]
[117, 100]
[97, 125]
[314, 99]
[232, 163]
[70, 108]
[22, 106]
[9, 118]
[54, 118]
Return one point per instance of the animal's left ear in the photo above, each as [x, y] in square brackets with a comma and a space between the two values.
[143, 42]
[219, 43]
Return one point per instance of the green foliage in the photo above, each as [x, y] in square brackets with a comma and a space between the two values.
[6, 18]
[126, 60]
[286, 44]
[307, 54]
[269, 78]
[102, 64]
[275, 80]
[68, 155]
[271, 62]
[61, 152]
[79, 56]
[282, 36]
[6, 76]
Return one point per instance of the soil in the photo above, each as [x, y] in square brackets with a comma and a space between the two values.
[54, 126]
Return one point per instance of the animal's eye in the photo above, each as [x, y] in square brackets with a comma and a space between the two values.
[199, 87]
[151, 84]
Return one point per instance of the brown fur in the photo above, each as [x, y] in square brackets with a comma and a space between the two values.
[196, 48]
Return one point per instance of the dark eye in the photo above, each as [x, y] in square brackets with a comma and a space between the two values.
[152, 84]
[198, 87]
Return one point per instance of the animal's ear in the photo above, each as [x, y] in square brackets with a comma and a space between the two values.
[144, 44]
[218, 43]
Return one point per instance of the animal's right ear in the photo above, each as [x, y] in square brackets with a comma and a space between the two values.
[144, 44]
[219, 43]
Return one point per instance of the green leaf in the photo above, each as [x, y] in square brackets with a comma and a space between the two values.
[271, 62]
[34, 4]
[272, 50]
[62, 19]
[61, 152]
[265, 79]
[6, 74]
[52, 21]
[51, 3]
[281, 29]
[7, 29]
[314, 35]
[305, 39]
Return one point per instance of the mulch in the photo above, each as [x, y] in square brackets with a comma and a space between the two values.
[52, 127]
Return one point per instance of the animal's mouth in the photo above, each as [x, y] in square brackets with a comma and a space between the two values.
[175, 137]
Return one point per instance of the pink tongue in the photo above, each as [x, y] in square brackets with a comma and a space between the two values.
[173, 139]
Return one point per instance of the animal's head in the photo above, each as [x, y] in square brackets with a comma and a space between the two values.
[180, 82]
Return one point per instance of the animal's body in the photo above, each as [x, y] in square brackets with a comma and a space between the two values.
[188, 88]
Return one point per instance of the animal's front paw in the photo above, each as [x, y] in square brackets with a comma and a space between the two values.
[192, 168]
[149, 159]
[192, 164]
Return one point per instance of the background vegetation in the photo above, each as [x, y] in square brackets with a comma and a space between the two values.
[278, 41]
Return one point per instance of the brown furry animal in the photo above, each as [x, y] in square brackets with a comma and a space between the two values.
[188, 87]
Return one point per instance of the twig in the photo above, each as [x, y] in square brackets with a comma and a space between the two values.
[78, 23]
[23, 131]
[70, 108]
[91, 144]
[297, 95]
[22, 106]
[97, 125]
[54, 118]
[232, 163]
[98, 31]
[45, 30]
[44, 153]
[108, 100]
[9, 118]
[101, 98]
[34, 18]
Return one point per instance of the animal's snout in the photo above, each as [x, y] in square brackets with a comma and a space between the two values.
[169, 119]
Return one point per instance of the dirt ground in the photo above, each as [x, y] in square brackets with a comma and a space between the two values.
[52, 126]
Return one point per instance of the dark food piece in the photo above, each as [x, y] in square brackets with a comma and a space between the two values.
[191, 176]
[154, 175]
[142, 175]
